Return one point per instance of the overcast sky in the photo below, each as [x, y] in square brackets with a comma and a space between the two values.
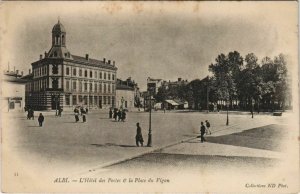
[161, 40]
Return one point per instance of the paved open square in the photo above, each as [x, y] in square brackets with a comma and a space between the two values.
[71, 148]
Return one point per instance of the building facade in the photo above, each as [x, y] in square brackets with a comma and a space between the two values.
[63, 80]
[127, 94]
[12, 91]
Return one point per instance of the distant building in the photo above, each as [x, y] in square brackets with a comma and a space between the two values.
[13, 91]
[127, 94]
[154, 84]
[61, 79]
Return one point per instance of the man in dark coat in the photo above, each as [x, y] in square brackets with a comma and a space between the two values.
[83, 116]
[139, 136]
[76, 114]
[110, 113]
[32, 114]
[202, 132]
[119, 115]
[115, 114]
[123, 115]
[41, 119]
[207, 127]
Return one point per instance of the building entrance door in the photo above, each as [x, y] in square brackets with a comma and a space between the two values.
[54, 102]
[100, 102]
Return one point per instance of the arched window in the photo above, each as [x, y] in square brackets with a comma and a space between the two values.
[63, 39]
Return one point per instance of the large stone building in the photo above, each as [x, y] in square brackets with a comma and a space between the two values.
[61, 79]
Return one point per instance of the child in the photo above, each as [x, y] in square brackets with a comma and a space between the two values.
[41, 119]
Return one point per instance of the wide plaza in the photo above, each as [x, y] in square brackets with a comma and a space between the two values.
[68, 147]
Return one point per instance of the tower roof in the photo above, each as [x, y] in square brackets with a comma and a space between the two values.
[58, 27]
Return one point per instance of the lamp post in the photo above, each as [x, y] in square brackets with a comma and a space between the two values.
[207, 93]
[252, 104]
[149, 144]
[227, 105]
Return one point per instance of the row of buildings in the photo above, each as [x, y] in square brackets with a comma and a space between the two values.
[60, 79]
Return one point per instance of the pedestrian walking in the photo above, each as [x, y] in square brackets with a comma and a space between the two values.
[60, 111]
[202, 132]
[110, 113]
[83, 116]
[86, 110]
[207, 127]
[41, 119]
[28, 114]
[139, 137]
[81, 110]
[123, 116]
[76, 114]
[32, 114]
[115, 114]
[119, 115]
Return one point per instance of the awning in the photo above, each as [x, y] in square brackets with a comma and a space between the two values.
[172, 102]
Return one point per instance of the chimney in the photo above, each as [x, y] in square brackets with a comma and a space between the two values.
[29, 71]
[17, 72]
[46, 54]
[179, 79]
[104, 60]
[41, 57]
[87, 57]
[108, 61]
[114, 63]
[21, 73]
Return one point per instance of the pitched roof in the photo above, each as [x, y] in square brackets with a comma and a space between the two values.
[93, 62]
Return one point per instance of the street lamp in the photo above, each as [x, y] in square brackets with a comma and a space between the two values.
[227, 105]
[149, 144]
[252, 104]
[207, 98]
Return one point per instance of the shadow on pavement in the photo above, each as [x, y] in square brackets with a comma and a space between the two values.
[268, 137]
[112, 144]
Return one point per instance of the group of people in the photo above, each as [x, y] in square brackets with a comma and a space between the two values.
[117, 114]
[204, 129]
[80, 111]
[30, 114]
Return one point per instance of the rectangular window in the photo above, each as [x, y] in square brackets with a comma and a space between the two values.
[104, 88]
[80, 86]
[85, 73]
[67, 98]
[74, 72]
[80, 72]
[90, 100]
[96, 74]
[67, 85]
[108, 99]
[74, 99]
[91, 87]
[104, 75]
[91, 74]
[95, 86]
[67, 71]
[113, 101]
[104, 99]
[108, 88]
[113, 76]
[85, 86]
[100, 87]
[74, 85]
[80, 99]
[108, 76]
[100, 75]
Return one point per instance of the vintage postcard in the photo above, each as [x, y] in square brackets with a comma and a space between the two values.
[149, 96]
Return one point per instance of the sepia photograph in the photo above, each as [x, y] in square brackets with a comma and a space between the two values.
[170, 96]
